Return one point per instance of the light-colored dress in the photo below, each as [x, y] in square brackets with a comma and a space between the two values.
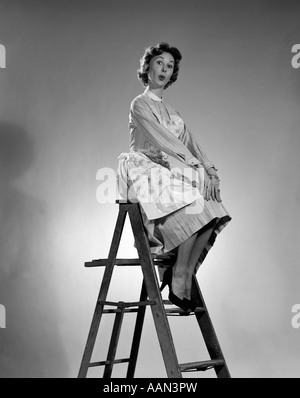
[156, 173]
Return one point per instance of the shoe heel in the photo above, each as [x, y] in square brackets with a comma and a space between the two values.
[167, 278]
[162, 286]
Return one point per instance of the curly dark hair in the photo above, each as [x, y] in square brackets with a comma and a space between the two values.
[153, 51]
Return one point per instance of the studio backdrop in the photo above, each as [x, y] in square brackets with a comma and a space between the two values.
[67, 78]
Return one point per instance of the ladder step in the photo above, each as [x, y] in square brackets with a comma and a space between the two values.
[177, 310]
[123, 304]
[105, 262]
[116, 310]
[180, 311]
[163, 259]
[202, 365]
[102, 363]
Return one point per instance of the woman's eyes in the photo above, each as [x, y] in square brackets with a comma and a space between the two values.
[169, 66]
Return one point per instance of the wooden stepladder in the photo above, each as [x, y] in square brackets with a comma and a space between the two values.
[150, 296]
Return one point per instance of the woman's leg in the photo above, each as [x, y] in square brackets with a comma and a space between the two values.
[200, 243]
[181, 266]
[187, 258]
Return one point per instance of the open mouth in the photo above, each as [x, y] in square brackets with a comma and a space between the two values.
[161, 77]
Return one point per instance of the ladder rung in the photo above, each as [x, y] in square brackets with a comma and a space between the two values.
[123, 304]
[116, 310]
[163, 259]
[105, 262]
[202, 365]
[179, 311]
[102, 363]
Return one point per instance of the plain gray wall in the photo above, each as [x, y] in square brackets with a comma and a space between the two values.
[64, 100]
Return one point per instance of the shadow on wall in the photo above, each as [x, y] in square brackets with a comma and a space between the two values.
[30, 346]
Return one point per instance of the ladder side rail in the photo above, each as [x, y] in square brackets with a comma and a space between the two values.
[208, 332]
[137, 334]
[113, 345]
[158, 311]
[88, 351]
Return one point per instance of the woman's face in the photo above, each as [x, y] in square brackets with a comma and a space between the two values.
[160, 70]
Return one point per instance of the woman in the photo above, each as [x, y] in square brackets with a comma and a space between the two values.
[169, 174]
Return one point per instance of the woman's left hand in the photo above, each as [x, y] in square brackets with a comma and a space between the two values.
[212, 188]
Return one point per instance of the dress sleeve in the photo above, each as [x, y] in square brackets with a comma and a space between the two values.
[189, 140]
[147, 124]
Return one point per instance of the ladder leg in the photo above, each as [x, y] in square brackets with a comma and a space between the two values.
[114, 341]
[208, 332]
[86, 359]
[158, 311]
[137, 334]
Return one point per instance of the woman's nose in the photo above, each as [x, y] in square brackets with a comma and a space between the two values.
[164, 68]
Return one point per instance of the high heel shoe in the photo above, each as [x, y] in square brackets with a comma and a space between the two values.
[192, 304]
[184, 303]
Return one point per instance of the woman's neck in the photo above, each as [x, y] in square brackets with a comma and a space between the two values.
[157, 91]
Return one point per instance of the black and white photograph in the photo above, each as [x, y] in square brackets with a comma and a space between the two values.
[150, 196]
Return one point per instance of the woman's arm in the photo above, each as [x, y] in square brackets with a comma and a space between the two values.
[211, 180]
[147, 124]
[189, 140]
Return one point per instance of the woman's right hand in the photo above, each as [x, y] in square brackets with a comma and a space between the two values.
[194, 162]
